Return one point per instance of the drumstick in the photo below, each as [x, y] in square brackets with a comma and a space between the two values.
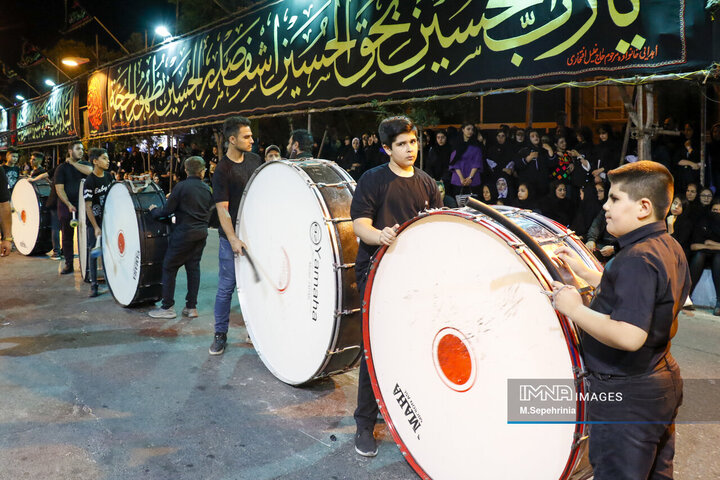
[252, 264]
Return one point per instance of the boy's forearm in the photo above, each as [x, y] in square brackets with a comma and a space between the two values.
[613, 333]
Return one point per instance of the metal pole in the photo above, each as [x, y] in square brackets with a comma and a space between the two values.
[113, 36]
[649, 120]
[26, 83]
[703, 133]
[309, 129]
[97, 51]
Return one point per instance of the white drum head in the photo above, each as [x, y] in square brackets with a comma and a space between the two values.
[121, 244]
[290, 313]
[454, 313]
[26, 219]
[82, 231]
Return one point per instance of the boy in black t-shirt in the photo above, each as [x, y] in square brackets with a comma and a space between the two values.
[95, 190]
[12, 171]
[385, 197]
[628, 327]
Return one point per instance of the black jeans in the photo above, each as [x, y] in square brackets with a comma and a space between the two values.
[641, 445]
[182, 252]
[68, 233]
[698, 261]
[367, 410]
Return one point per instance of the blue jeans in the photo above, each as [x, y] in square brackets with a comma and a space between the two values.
[55, 229]
[226, 286]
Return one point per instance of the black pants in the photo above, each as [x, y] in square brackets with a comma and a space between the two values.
[367, 410]
[698, 261]
[68, 233]
[642, 444]
[91, 262]
[182, 252]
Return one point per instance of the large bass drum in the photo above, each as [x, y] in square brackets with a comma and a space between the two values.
[133, 243]
[454, 313]
[31, 220]
[303, 316]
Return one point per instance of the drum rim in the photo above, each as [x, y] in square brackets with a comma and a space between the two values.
[333, 235]
[535, 266]
[82, 227]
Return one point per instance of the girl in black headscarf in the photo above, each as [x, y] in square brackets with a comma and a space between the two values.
[557, 205]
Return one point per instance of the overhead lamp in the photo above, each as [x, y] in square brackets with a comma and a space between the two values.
[162, 31]
[20, 97]
[49, 82]
[74, 61]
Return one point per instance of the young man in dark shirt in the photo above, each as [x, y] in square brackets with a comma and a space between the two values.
[300, 144]
[231, 175]
[12, 171]
[67, 186]
[95, 191]
[385, 197]
[628, 327]
[190, 201]
[38, 172]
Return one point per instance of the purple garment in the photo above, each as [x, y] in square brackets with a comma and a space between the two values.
[472, 158]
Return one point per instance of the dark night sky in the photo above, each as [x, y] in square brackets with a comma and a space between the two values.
[40, 22]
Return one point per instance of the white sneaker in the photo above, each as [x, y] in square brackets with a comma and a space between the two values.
[163, 313]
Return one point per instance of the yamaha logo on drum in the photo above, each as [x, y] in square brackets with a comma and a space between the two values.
[405, 402]
[315, 233]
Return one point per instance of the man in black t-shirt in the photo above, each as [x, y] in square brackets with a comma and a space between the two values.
[95, 191]
[229, 180]
[12, 171]
[5, 216]
[300, 144]
[386, 196]
[67, 186]
[190, 202]
[628, 327]
[38, 172]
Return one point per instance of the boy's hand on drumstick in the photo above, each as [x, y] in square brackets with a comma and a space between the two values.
[565, 298]
[571, 259]
[388, 235]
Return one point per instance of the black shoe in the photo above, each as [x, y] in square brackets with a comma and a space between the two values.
[218, 345]
[87, 279]
[689, 308]
[96, 292]
[365, 443]
[716, 312]
[67, 269]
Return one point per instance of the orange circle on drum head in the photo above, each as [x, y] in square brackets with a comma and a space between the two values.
[454, 359]
[23, 216]
[121, 243]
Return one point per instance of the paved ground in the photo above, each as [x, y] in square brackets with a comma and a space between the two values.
[92, 391]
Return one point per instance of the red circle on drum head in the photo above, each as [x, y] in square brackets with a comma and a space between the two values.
[23, 216]
[454, 359]
[121, 243]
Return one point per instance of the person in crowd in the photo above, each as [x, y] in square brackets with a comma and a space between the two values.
[533, 165]
[606, 154]
[300, 144]
[353, 161]
[713, 153]
[385, 197]
[12, 171]
[679, 224]
[705, 251]
[694, 207]
[557, 205]
[231, 176]
[272, 153]
[466, 163]
[499, 158]
[438, 159]
[374, 153]
[628, 327]
[505, 194]
[67, 186]
[489, 193]
[190, 202]
[95, 191]
[5, 216]
[525, 198]
[591, 202]
[706, 198]
[687, 159]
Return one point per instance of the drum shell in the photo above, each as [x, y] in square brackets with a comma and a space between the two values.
[43, 241]
[153, 243]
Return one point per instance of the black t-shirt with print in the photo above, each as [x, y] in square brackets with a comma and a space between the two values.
[95, 190]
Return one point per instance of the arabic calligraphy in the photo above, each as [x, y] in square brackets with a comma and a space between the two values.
[282, 54]
[60, 105]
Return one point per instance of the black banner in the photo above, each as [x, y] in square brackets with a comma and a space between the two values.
[49, 119]
[4, 127]
[283, 56]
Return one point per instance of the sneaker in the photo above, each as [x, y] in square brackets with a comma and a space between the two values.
[716, 311]
[163, 313]
[67, 269]
[96, 292]
[56, 256]
[190, 312]
[218, 345]
[365, 443]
